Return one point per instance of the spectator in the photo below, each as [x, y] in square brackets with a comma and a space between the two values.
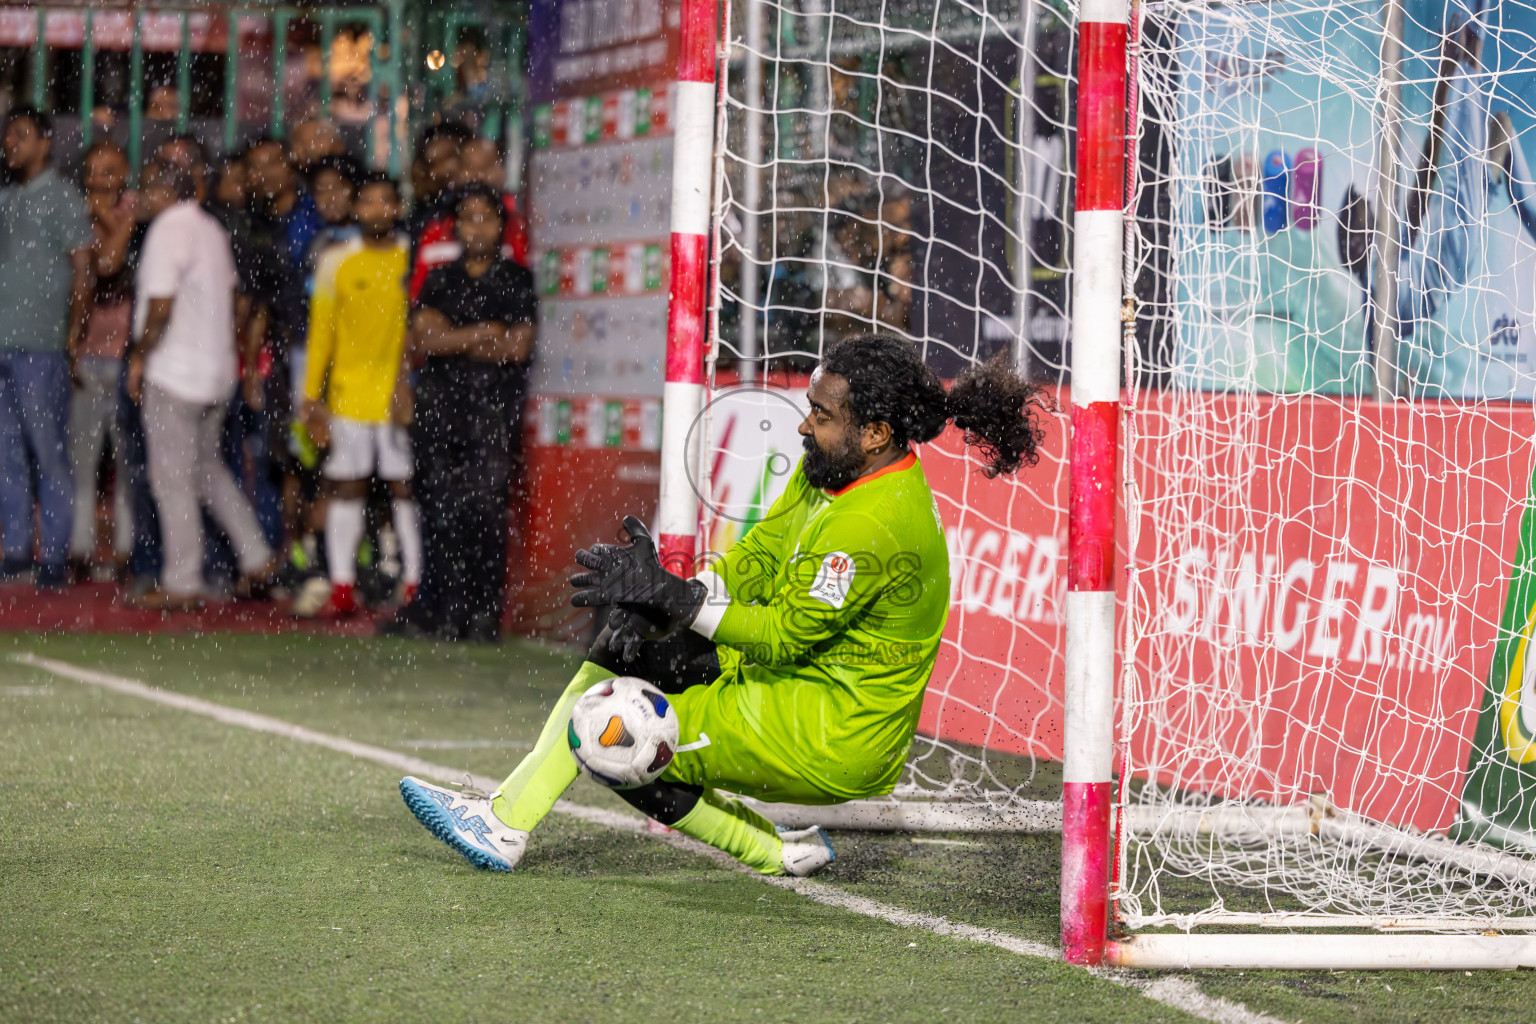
[99, 361]
[893, 302]
[312, 142]
[421, 184]
[183, 370]
[474, 326]
[357, 326]
[186, 151]
[270, 276]
[848, 270]
[894, 299]
[439, 148]
[160, 124]
[333, 184]
[473, 92]
[227, 201]
[278, 200]
[438, 245]
[480, 160]
[46, 282]
[245, 429]
[144, 561]
[163, 103]
[272, 201]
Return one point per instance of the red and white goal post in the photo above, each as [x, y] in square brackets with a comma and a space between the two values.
[1260, 614]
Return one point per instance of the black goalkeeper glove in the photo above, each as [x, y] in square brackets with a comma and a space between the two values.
[627, 630]
[632, 577]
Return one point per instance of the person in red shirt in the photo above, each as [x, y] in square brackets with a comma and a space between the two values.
[480, 162]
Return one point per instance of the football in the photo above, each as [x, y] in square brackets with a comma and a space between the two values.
[623, 732]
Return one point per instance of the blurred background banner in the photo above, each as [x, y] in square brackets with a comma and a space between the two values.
[1468, 292]
[600, 185]
[1277, 193]
[586, 47]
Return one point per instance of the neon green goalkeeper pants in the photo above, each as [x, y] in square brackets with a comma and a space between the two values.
[717, 752]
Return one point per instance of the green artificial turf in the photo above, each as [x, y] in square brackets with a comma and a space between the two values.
[160, 866]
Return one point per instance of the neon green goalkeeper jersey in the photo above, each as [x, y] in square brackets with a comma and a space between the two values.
[828, 616]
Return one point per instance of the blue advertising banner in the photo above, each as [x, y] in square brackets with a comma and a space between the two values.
[583, 47]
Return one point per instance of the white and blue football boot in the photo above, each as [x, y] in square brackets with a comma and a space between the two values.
[464, 820]
[806, 851]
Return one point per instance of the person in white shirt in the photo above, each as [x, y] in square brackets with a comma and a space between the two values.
[183, 370]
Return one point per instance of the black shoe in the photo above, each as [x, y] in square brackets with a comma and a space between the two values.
[53, 576]
[138, 586]
[16, 570]
[483, 629]
[407, 622]
[400, 626]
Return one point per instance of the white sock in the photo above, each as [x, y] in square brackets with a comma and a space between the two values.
[408, 529]
[343, 533]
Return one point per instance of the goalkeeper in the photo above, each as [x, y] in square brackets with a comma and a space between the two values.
[797, 662]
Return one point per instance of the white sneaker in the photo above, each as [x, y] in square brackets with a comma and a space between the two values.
[806, 851]
[466, 823]
[312, 595]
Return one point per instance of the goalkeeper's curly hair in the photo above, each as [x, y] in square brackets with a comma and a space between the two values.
[888, 382]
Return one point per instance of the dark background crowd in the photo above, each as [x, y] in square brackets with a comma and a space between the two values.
[153, 429]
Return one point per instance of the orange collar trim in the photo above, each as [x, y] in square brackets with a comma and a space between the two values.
[895, 467]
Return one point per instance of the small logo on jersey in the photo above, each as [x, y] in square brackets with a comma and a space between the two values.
[834, 579]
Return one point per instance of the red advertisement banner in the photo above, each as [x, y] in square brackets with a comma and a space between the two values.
[1320, 584]
[600, 74]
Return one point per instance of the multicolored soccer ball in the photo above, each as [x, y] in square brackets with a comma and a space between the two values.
[623, 732]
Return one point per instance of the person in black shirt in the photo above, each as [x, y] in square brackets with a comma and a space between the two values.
[144, 559]
[275, 313]
[473, 328]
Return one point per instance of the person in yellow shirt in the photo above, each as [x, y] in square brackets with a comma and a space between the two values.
[357, 323]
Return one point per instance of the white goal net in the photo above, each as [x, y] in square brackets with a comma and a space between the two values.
[1326, 709]
[1332, 452]
[876, 161]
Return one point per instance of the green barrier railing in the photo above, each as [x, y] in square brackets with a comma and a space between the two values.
[399, 30]
[510, 32]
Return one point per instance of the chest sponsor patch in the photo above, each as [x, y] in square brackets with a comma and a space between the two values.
[833, 579]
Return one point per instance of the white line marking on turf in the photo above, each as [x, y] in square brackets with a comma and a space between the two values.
[945, 842]
[277, 727]
[1174, 991]
[826, 894]
[1181, 993]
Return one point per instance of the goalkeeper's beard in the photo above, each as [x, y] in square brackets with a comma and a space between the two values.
[832, 470]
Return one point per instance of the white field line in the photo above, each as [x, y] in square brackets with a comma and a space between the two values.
[1181, 993]
[277, 727]
[1174, 991]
